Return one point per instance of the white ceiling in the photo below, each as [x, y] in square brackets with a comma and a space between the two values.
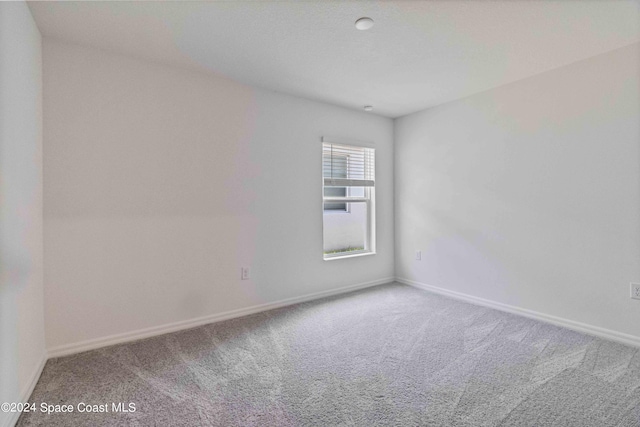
[418, 54]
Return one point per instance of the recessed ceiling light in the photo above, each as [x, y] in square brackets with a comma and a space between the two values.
[368, 108]
[364, 23]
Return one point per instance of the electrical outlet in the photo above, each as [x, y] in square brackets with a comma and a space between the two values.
[418, 255]
[635, 290]
[245, 273]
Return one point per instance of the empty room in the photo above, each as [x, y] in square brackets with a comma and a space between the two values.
[320, 213]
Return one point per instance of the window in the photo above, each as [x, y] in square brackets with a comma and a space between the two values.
[348, 174]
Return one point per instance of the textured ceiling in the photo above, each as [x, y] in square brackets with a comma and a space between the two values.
[418, 54]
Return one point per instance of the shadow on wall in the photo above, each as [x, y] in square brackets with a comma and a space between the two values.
[9, 387]
[21, 291]
[165, 204]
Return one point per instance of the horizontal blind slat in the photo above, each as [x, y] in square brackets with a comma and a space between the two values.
[345, 199]
[344, 165]
[341, 182]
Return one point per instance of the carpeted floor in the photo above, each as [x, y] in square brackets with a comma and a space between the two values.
[386, 356]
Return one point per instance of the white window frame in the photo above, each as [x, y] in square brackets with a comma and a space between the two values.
[368, 199]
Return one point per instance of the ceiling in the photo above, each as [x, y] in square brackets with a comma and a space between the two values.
[417, 55]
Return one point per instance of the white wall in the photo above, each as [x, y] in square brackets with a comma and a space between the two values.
[529, 194]
[161, 183]
[22, 344]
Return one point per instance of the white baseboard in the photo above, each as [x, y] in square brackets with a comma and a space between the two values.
[68, 349]
[608, 334]
[26, 392]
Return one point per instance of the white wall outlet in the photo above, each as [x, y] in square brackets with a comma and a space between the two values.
[418, 255]
[635, 290]
[245, 273]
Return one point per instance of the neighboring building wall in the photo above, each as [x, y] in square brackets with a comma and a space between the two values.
[22, 343]
[345, 229]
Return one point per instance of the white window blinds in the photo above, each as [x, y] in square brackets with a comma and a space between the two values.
[347, 165]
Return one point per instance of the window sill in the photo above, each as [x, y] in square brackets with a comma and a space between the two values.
[339, 256]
